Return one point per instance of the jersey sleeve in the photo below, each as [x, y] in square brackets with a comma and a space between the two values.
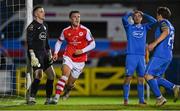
[30, 35]
[151, 21]
[125, 19]
[89, 36]
[61, 37]
[47, 43]
[164, 25]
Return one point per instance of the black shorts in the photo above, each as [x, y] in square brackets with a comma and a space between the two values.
[43, 60]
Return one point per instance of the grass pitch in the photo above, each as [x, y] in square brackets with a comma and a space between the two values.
[87, 103]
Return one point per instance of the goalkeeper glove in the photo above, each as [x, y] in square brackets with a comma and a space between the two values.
[34, 60]
[50, 58]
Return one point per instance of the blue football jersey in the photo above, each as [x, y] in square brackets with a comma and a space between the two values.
[164, 48]
[136, 34]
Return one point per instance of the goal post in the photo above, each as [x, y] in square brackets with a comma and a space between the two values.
[15, 16]
[29, 19]
[29, 8]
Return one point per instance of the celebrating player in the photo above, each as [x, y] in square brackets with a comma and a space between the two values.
[135, 58]
[79, 42]
[39, 54]
[163, 45]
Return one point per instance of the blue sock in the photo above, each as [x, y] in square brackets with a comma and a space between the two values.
[140, 88]
[154, 87]
[126, 88]
[165, 83]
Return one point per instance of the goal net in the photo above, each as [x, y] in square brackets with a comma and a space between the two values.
[12, 51]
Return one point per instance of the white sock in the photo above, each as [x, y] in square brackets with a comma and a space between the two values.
[174, 86]
[57, 96]
[159, 97]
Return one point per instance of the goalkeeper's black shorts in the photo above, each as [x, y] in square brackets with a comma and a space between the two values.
[43, 60]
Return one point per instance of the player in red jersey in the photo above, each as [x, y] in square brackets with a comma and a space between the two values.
[79, 42]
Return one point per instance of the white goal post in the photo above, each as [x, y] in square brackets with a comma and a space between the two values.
[15, 16]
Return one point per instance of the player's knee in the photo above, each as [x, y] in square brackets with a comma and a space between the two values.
[127, 79]
[51, 76]
[140, 80]
[66, 71]
[50, 73]
[148, 77]
[38, 75]
[70, 86]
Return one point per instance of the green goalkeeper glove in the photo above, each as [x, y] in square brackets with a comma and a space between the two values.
[34, 59]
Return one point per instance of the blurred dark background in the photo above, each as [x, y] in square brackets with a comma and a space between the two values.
[147, 6]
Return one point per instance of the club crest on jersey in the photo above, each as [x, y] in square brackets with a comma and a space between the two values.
[138, 34]
[69, 34]
[42, 36]
[80, 33]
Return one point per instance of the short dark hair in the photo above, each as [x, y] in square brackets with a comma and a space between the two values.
[74, 11]
[137, 11]
[164, 12]
[36, 8]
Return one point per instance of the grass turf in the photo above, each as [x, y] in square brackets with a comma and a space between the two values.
[87, 103]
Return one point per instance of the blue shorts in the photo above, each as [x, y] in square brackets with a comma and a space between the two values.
[135, 63]
[157, 66]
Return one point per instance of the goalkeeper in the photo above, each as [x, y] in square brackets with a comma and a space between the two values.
[39, 54]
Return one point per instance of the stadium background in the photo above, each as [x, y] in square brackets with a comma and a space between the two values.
[104, 73]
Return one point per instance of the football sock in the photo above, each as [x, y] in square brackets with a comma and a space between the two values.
[126, 88]
[34, 87]
[165, 83]
[49, 88]
[154, 87]
[140, 88]
[60, 86]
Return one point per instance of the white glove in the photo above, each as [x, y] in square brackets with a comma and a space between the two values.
[50, 57]
[34, 60]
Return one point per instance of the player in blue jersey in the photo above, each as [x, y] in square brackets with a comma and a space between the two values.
[136, 44]
[162, 56]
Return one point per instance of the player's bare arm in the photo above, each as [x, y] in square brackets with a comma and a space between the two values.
[163, 35]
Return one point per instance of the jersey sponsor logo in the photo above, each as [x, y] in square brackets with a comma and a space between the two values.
[80, 33]
[42, 36]
[138, 34]
[75, 41]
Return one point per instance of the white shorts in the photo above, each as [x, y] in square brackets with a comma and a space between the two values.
[76, 67]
